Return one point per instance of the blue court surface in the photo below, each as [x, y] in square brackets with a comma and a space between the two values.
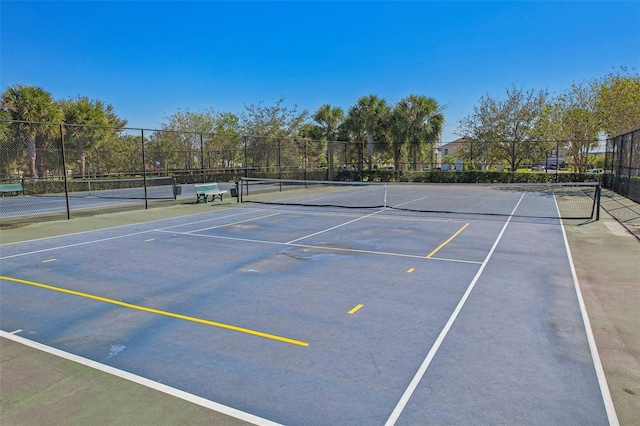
[324, 316]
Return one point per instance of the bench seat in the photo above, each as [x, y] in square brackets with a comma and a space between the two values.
[206, 190]
[9, 188]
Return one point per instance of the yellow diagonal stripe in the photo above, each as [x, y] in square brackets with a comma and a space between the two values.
[159, 312]
[355, 309]
[448, 241]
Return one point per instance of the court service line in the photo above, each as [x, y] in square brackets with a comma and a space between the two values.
[158, 311]
[129, 225]
[232, 223]
[448, 241]
[121, 236]
[248, 211]
[381, 217]
[84, 243]
[323, 248]
[100, 240]
[215, 406]
[443, 333]
[334, 227]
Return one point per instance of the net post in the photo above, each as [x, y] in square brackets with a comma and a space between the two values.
[385, 196]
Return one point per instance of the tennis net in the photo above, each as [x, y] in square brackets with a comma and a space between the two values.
[163, 187]
[536, 200]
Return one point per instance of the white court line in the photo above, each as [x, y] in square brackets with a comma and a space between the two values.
[130, 224]
[325, 248]
[100, 240]
[241, 415]
[602, 379]
[434, 349]
[224, 225]
[334, 227]
[84, 243]
[213, 219]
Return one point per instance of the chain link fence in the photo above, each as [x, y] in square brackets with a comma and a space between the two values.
[622, 165]
[64, 170]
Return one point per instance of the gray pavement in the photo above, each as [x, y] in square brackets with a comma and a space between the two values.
[39, 388]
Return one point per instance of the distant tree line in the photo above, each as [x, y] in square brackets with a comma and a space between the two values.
[372, 132]
[525, 125]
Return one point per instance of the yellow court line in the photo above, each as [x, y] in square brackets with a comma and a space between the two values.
[48, 260]
[355, 309]
[410, 270]
[159, 312]
[448, 241]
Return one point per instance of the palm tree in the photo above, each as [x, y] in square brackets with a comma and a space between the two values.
[329, 118]
[34, 106]
[418, 121]
[89, 124]
[368, 116]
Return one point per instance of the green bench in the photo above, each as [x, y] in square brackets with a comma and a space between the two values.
[204, 190]
[11, 188]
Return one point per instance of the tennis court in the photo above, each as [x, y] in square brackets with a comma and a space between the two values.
[306, 315]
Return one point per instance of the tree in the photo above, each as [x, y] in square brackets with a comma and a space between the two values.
[368, 118]
[88, 124]
[34, 106]
[314, 143]
[618, 102]
[506, 128]
[276, 121]
[573, 119]
[266, 127]
[181, 142]
[329, 118]
[122, 154]
[417, 120]
[225, 142]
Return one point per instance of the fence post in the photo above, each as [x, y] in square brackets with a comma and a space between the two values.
[630, 158]
[279, 158]
[246, 158]
[306, 160]
[204, 179]
[144, 170]
[64, 172]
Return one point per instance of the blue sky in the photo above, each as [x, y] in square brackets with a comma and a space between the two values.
[149, 59]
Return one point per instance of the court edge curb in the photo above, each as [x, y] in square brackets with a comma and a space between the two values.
[223, 409]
